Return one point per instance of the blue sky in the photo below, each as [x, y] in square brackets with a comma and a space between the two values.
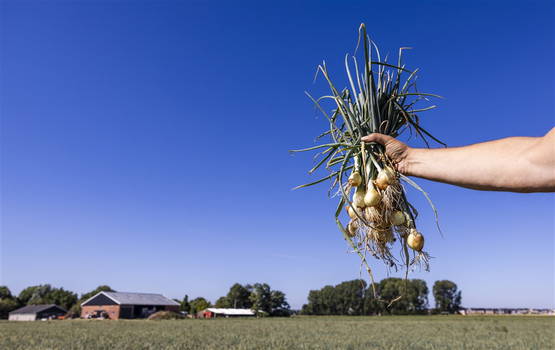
[144, 144]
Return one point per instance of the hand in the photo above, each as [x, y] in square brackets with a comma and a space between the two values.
[396, 150]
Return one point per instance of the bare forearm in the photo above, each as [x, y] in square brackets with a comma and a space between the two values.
[519, 164]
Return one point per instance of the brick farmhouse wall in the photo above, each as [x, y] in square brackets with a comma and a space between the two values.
[112, 310]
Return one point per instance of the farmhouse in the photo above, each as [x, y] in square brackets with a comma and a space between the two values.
[115, 305]
[37, 312]
[218, 312]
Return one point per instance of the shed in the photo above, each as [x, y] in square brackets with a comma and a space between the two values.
[212, 312]
[37, 312]
[116, 305]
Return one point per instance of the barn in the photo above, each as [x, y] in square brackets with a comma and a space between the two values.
[213, 312]
[37, 312]
[116, 305]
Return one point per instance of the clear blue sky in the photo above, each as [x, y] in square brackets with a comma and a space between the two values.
[144, 144]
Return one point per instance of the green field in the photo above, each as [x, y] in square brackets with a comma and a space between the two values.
[388, 332]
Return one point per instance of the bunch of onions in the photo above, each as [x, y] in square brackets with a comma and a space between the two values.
[382, 98]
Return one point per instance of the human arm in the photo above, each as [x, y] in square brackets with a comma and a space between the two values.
[516, 164]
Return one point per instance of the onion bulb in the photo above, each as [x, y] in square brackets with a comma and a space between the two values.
[351, 212]
[415, 240]
[355, 179]
[372, 197]
[397, 218]
[352, 228]
[385, 178]
[358, 197]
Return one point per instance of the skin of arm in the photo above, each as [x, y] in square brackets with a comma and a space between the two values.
[515, 164]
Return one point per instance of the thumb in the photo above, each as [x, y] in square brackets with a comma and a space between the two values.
[379, 138]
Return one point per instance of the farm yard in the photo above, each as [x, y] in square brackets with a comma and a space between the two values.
[312, 332]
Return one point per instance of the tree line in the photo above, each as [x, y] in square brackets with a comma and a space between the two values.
[258, 296]
[347, 298]
[356, 298]
[45, 294]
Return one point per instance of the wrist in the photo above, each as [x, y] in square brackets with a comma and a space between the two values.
[412, 161]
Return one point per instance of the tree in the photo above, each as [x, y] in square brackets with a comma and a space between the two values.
[354, 298]
[26, 294]
[447, 297]
[314, 305]
[414, 294]
[7, 302]
[417, 295]
[371, 305]
[239, 296]
[346, 298]
[199, 304]
[102, 288]
[58, 296]
[46, 294]
[223, 302]
[280, 306]
[6, 306]
[184, 305]
[5, 293]
[349, 297]
[268, 301]
[261, 298]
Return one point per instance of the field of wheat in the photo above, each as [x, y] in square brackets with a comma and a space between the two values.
[387, 332]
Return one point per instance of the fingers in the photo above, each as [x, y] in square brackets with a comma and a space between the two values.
[379, 138]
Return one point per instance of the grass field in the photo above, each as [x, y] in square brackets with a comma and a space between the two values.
[401, 332]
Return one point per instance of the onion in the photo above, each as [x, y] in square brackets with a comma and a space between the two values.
[372, 197]
[397, 218]
[355, 179]
[351, 212]
[385, 178]
[358, 197]
[415, 240]
[352, 228]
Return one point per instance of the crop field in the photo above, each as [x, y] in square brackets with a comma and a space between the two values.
[387, 332]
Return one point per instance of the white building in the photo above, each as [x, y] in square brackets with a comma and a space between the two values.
[37, 312]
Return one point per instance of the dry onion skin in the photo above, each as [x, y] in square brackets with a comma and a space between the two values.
[381, 97]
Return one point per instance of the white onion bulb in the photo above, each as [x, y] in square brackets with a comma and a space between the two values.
[355, 179]
[372, 197]
[415, 240]
[397, 218]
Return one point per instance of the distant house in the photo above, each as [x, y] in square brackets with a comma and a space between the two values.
[212, 312]
[506, 311]
[37, 312]
[116, 305]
